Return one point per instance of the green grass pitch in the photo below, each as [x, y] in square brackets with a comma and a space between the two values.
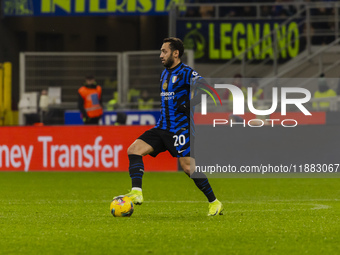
[68, 213]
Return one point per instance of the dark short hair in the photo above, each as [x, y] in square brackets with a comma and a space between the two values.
[175, 44]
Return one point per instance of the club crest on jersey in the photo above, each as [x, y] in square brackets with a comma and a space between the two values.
[165, 85]
[174, 79]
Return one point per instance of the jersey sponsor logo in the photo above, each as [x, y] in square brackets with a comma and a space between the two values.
[179, 152]
[167, 94]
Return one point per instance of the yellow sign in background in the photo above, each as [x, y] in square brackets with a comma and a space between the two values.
[6, 113]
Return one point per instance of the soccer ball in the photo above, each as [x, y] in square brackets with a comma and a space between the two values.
[121, 206]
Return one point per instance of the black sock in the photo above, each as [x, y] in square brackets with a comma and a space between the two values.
[136, 170]
[203, 184]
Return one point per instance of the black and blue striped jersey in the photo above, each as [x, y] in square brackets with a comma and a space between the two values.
[175, 91]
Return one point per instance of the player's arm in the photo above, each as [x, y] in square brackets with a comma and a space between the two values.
[81, 106]
[101, 95]
[198, 86]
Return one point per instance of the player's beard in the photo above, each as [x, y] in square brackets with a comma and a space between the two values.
[169, 62]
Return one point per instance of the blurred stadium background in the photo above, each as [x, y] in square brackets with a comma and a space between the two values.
[53, 44]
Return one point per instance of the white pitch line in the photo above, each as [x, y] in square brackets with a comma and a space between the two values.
[305, 200]
[320, 207]
[249, 202]
[315, 206]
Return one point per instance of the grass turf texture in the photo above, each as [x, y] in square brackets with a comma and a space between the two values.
[68, 213]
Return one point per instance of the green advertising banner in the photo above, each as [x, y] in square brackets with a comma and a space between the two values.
[220, 40]
[86, 7]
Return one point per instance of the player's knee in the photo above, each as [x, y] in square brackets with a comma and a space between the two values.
[132, 150]
[186, 168]
[187, 171]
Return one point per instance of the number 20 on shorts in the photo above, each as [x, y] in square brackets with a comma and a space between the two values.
[179, 140]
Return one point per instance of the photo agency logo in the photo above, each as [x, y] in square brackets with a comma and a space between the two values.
[206, 89]
[238, 103]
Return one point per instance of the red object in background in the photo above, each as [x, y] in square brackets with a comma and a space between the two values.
[74, 148]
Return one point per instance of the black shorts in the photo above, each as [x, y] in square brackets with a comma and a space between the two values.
[161, 140]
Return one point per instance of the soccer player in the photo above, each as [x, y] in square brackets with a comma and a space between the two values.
[172, 130]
